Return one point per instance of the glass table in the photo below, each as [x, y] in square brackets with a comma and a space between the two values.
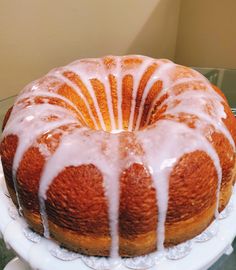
[226, 80]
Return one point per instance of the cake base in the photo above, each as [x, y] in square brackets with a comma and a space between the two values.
[31, 248]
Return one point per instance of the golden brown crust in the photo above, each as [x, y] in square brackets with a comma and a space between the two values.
[99, 90]
[138, 210]
[153, 93]
[72, 95]
[143, 81]
[114, 97]
[74, 78]
[127, 90]
[191, 189]
[7, 152]
[76, 200]
[7, 115]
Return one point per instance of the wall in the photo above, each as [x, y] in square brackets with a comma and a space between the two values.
[207, 33]
[38, 35]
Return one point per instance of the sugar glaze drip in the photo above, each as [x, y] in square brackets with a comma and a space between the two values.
[106, 160]
[161, 154]
[30, 124]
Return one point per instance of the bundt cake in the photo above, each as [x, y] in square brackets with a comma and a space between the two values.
[119, 156]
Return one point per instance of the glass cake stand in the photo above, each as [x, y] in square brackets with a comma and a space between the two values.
[226, 80]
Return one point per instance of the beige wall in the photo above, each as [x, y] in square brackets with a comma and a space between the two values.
[37, 35]
[207, 33]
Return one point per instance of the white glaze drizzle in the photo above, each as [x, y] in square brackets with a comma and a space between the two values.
[118, 76]
[105, 81]
[172, 141]
[170, 85]
[157, 75]
[137, 75]
[46, 94]
[164, 143]
[30, 124]
[75, 87]
[80, 70]
[105, 160]
[204, 98]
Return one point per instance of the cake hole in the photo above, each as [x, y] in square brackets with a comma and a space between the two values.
[143, 116]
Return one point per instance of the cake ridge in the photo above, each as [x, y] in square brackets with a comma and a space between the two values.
[74, 87]
[150, 83]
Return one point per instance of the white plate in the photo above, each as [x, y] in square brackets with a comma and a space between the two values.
[43, 254]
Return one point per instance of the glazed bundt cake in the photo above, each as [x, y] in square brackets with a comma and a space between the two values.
[119, 156]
